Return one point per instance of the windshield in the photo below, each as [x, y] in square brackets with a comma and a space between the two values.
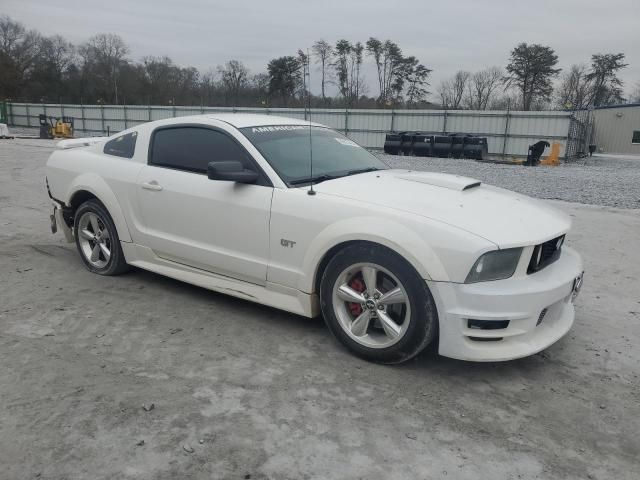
[286, 148]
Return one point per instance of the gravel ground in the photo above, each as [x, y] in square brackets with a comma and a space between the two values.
[244, 391]
[600, 180]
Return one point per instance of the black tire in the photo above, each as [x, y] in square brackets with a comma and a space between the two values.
[423, 318]
[117, 263]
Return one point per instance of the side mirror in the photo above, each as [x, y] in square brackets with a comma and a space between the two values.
[231, 172]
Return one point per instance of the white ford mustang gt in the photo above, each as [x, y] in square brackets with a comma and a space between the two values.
[393, 259]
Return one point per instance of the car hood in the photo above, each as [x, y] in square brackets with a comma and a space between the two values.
[505, 218]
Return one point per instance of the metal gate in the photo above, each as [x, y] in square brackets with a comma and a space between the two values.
[580, 131]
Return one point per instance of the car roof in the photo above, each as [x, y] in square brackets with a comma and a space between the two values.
[241, 120]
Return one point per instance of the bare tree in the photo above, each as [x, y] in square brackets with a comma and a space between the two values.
[208, 87]
[19, 50]
[541, 103]
[482, 87]
[635, 95]
[104, 54]
[453, 90]
[444, 93]
[51, 70]
[18, 43]
[234, 77]
[506, 100]
[575, 91]
[459, 86]
[260, 84]
[187, 86]
[160, 79]
[59, 53]
[323, 53]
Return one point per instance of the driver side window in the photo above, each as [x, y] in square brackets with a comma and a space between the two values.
[192, 148]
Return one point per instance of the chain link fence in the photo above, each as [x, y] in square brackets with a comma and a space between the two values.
[580, 132]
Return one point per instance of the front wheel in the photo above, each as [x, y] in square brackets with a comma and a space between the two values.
[376, 304]
[97, 240]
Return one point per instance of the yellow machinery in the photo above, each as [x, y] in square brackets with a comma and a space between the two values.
[554, 157]
[534, 156]
[51, 127]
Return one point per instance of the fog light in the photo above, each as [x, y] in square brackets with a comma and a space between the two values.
[487, 324]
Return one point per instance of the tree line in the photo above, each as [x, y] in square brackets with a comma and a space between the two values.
[528, 83]
[38, 68]
[34, 67]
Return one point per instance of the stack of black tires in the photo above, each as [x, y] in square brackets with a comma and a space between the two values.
[420, 144]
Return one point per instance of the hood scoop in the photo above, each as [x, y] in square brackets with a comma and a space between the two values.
[444, 180]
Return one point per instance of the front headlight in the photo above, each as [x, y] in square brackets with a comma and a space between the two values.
[495, 265]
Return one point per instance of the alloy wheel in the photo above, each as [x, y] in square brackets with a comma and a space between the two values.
[371, 305]
[94, 240]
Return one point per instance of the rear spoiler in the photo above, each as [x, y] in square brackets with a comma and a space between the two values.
[79, 142]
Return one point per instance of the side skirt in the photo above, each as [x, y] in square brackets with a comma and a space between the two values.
[271, 294]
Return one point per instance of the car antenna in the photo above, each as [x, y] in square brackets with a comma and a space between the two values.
[307, 71]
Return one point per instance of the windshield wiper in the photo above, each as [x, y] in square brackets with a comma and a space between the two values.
[317, 179]
[363, 170]
[326, 176]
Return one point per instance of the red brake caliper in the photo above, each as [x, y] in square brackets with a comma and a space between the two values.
[358, 285]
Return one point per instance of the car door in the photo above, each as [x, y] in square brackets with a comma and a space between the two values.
[213, 225]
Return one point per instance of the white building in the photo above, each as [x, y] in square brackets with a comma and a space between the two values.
[617, 129]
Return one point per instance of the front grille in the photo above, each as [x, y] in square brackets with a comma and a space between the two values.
[545, 254]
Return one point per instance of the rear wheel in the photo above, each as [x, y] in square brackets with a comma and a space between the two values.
[97, 240]
[376, 304]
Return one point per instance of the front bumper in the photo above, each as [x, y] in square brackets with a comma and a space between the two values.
[58, 223]
[538, 307]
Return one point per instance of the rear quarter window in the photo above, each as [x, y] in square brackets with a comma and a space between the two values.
[123, 146]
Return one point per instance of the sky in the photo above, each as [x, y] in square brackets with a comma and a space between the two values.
[446, 36]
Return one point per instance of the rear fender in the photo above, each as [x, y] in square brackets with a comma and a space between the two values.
[95, 185]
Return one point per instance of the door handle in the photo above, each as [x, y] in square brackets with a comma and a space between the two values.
[152, 185]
